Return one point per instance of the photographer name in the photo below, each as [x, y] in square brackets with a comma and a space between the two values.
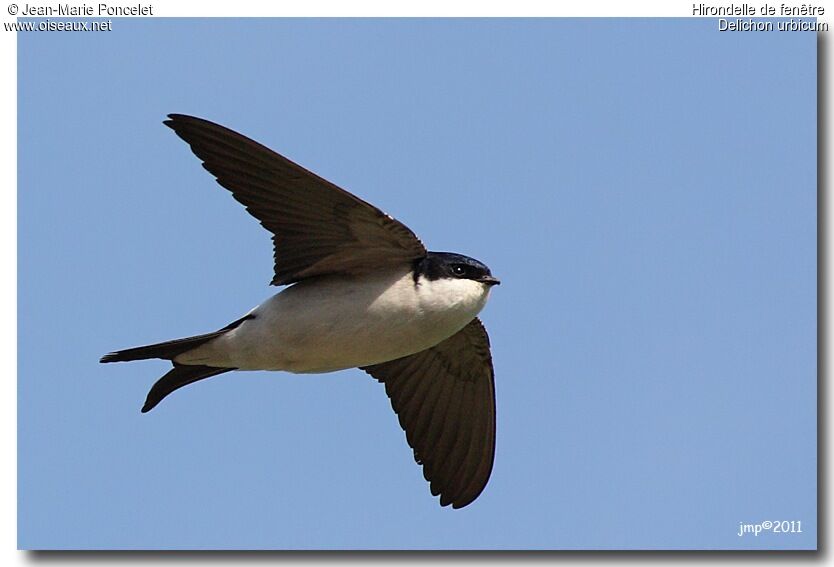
[89, 10]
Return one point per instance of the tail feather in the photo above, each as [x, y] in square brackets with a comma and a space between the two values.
[180, 375]
[168, 350]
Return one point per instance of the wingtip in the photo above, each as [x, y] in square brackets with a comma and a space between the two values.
[465, 500]
[109, 357]
[174, 120]
[456, 504]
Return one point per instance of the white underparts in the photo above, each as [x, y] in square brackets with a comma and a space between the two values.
[340, 322]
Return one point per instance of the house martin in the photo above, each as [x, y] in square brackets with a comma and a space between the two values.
[363, 292]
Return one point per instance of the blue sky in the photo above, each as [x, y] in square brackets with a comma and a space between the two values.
[644, 188]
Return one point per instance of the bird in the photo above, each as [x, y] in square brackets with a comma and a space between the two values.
[361, 291]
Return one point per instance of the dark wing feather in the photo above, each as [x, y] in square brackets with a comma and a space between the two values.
[318, 228]
[445, 399]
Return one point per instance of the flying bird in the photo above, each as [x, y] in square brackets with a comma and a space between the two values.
[363, 292]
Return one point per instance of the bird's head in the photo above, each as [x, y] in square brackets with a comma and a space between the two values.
[448, 265]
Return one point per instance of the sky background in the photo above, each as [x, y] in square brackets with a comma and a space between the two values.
[644, 188]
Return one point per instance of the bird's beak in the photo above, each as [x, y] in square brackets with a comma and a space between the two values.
[489, 280]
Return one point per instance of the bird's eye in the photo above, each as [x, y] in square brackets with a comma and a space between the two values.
[458, 270]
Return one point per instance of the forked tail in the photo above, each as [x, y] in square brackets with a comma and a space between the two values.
[181, 374]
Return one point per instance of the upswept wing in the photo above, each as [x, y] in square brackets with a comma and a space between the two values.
[318, 227]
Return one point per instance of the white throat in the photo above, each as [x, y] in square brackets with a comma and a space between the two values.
[459, 298]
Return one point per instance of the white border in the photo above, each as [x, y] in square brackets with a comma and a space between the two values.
[248, 8]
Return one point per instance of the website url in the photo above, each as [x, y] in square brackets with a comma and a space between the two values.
[49, 25]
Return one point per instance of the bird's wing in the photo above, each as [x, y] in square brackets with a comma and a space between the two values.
[318, 228]
[445, 399]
